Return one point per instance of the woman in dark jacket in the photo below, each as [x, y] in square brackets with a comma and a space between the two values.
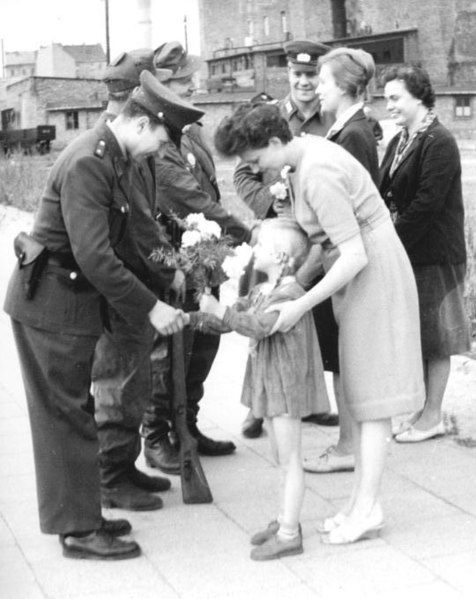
[421, 185]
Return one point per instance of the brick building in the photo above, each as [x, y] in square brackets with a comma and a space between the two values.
[71, 105]
[242, 43]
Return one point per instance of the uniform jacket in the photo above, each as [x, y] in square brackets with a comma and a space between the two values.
[358, 138]
[424, 195]
[253, 188]
[186, 183]
[143, 233]
[84, 213]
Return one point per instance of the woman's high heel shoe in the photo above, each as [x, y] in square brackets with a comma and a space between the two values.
[330, 524]
[348, 532]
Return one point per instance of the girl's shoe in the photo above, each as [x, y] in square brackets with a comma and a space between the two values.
[332, 523]
[348, 532]
[263, 535]
[275, 548]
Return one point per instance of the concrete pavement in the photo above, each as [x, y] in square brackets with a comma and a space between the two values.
[428, 548]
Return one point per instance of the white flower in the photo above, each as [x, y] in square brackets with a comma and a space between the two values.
[233, 266]
[191, 238]
[285, 171]
[279, 190]
[207, 228]
[195, 220]
[210, 228]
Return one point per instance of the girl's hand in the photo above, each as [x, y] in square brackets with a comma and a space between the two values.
[289, 314]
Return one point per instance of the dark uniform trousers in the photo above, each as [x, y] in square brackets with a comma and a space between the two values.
[121, 388]
[64, 436]
[200, 351]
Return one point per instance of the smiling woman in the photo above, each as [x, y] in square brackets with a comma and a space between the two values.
[421, 184]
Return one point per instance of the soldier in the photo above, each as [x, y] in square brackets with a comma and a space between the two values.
[121, 371]
[186, 183]
[67, 270]
[302, 111]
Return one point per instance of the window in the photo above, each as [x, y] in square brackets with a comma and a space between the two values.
[463, 107]
[284, 22]
[266, 26]
[72, 120]
[276, 60]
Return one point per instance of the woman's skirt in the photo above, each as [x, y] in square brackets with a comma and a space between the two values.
[379, 331]
[444, 323]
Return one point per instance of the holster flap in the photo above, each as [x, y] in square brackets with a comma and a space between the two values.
[27, 249]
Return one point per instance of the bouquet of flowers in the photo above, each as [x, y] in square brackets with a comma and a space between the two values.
[201, 254]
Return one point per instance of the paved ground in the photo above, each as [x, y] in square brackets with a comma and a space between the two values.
[428, 548]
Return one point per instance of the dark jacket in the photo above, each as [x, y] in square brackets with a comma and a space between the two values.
[83, 214]
[358, 138]
[143, 233]
[424, 194]
[186, 183]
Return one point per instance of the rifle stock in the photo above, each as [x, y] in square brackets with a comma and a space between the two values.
[195, 487]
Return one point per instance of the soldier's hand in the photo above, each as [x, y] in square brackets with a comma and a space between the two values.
[167, 320]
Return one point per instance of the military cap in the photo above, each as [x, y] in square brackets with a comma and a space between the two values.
[303, 54]
[164, 104]
[172, 55]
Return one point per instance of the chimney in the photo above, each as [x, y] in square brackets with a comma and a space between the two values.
[144, 23]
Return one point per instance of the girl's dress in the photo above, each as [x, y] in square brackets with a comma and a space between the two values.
[284, 372]
[377, 311]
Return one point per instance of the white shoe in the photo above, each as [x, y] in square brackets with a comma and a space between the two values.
[330, 461]
[415, 435]
[329, 524]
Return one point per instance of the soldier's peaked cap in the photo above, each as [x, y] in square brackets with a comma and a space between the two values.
[164, 104]
[303, 54]
[172, 55]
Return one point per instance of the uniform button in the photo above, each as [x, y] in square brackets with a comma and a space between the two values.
[389, 194]
[73, 275]
[123, 209]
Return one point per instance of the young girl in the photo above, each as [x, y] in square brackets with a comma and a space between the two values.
[284, 378]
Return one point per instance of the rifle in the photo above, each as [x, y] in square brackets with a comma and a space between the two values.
[195, 487]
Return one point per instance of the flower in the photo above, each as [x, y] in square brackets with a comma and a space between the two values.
[190, 238]
[201, 254]
[279, 190]
[234, 265]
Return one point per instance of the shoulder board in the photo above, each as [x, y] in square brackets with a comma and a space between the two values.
[288, 106]
[100, 149]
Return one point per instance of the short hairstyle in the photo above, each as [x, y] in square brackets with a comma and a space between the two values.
[289, 239]
[250, 127]
[352, 69]
[416, 80]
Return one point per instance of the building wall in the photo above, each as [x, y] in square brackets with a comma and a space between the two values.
[446, 43]
[45, 101]
[53, 61]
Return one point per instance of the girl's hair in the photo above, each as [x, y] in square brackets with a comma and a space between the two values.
[290, 242]
[416, 80]
[250, 127]
[352, 69]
